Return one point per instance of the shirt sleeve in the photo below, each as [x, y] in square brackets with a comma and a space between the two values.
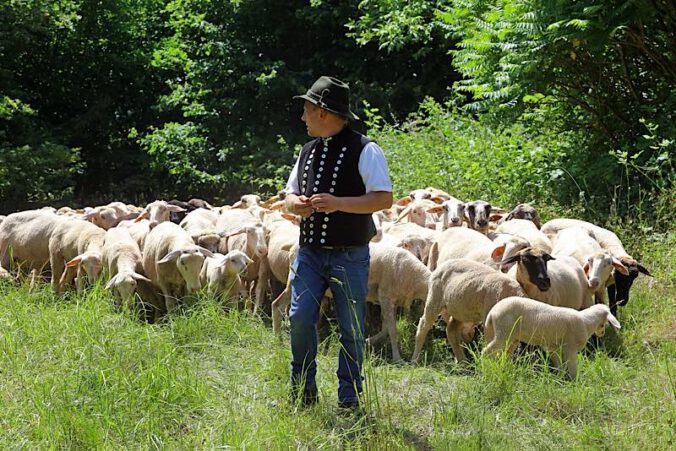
[373, 169]
[292, 186]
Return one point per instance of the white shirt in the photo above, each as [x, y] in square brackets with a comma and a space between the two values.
[372, 168]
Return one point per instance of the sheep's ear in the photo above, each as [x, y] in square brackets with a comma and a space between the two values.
[171, 256]
[613, 321]
[111, 282]
[237, 204]
[74, 262]
[437, 200]
[585, 268]
[145, 214]
[548, 257]
[643, 270]
[437, 209]
[513, 259]
[404, 201]
[510, 216]
[137, 276]
[205, 252]
[498, 252]
[495, 217]
[620, 267]
[403, 214]
[175, 209]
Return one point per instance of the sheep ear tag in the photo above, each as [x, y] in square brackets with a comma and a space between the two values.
[74, 262]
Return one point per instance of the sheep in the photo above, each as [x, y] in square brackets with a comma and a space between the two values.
[24, 239]
[478, 214]
[434, 194]
[77, 244]
[412, 237]
[452, 213]
[107, 216]
[396, 279]
[2, 218]
[138, 229]
[518, 319]
[193, 204]
[618, 293]
[158, 211]
[247, 201]
[221, 273]
[527, 230]
[416, 212]
[463, 291]
[556, 281]
[597, 264]
[122, 258]
[244, 232]
[173, 262]
[524, 211]
[200, 224]
[460, 242]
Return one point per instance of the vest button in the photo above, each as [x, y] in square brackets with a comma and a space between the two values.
[322, 241]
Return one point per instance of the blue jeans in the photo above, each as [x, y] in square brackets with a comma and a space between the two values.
[345, 271]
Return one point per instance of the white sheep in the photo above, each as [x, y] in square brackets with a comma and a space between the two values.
[173, 262]
[463, 292]
[597, 263]
[618, 292]
[460, 242]
[524, 211]
[75, 249]
[24, 240]
[244, 232]
[557, 329]
[452, 213]
[158, 212]
[247, 200]
[122, 258]
[396, 279]
[201, 225]
[556, 281]
[412, 237]
[416, 212]
[138, 229]
[527, 230]
[221, 273]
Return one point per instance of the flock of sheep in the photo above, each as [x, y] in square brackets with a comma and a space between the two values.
[552, 284]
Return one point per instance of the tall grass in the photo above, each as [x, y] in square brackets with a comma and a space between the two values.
[76, 373]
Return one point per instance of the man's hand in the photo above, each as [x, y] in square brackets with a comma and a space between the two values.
[299, 205]
[325, 203]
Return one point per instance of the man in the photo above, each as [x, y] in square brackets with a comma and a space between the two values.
[339, 179]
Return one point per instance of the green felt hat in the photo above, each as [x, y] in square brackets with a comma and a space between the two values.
[332, 95]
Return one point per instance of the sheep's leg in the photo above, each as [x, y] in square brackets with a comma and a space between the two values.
[80, 281]
[387, 309]
[570, 356]
[424, 325]
[34, 279]
[279, 306]
[453, 337]
[58, 268]
[371, 341]
[554, 357]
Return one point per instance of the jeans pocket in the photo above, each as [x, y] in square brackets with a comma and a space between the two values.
[358, 255]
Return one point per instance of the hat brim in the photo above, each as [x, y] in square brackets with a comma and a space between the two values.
[348, 114]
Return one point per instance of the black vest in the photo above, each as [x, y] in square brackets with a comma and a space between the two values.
[331, 165]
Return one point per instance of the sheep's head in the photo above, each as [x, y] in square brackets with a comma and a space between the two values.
[247, 201]
[478, 214]
[525, 211]
[599, 267]
[90, 262]
[189, 264]
[452, 213]
[602, 312]
[533, 261]
[124, 284]
[235, 262]
[619, 293]
[158, 211]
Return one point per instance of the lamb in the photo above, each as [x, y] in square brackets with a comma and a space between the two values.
[245, 233]
[396, 279]
[466, 291]
[460, 242]
[158, 211]
[527, 230]
[618, 293]
[122, 258]
[556, 281]
[24, 238]
[597, 264]
[77, 244]
[519, 319]
[416, 212]
[173, 262]
[108, 216]
[221, 273]
[138, 229]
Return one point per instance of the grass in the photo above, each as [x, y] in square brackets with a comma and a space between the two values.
[75, 373]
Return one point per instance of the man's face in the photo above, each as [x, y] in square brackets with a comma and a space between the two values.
[312, 116]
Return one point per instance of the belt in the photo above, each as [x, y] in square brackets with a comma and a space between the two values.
[338, 248]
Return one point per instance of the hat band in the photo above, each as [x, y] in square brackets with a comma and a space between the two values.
[328, 104]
